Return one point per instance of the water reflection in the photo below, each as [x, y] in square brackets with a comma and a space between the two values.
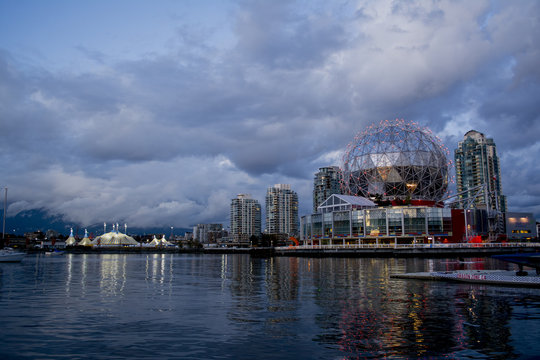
[113, 274]
[361, 311]
[235, 306]
[159, 268]
[112, 271]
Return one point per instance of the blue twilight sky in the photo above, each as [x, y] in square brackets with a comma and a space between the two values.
[158, 113]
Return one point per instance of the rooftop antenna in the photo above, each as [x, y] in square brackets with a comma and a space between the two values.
[104, 228]
[125, 229]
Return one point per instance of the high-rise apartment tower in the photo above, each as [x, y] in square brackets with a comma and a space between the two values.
[326, 182]
[281, 210]
[478, 179]
[477, 164]
[245, 218]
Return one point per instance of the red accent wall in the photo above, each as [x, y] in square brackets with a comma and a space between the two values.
[458, 225]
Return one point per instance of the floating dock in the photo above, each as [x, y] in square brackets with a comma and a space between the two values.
[492, 277]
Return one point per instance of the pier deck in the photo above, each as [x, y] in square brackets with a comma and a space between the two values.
[493, 277]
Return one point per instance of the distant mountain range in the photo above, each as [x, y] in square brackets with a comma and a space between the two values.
[34, 220]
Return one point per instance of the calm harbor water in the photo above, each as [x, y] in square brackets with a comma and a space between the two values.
[150, 306]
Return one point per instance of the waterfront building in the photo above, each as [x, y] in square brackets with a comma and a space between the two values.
[208, 233]
[477, 164]
[37, 235]
[51, 234]
[351, 220]
[327, 181]
[245, 218]
[394, 178]
[478, 178]
[281, 210]
[396, 161]
[521, 226]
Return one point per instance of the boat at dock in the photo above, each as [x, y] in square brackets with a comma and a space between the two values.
[10, 255]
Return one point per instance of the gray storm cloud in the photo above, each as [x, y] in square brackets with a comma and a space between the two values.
[169, 139]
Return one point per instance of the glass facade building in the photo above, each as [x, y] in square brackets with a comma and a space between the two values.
[477, 164]
[347, 222]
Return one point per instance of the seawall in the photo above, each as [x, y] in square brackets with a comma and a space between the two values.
[482, 250]
[421, 252]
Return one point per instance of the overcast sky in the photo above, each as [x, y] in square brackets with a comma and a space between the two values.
[158, 113]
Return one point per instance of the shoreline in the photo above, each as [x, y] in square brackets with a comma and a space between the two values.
[367, 252]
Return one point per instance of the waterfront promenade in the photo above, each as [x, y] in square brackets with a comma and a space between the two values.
[387, 250]
[407, 250]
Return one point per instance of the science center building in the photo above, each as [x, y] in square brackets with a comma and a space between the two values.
[393, 180]
[347, 220]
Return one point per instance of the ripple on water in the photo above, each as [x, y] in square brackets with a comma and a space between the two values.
[236, 307]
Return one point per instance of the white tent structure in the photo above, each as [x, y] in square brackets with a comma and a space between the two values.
[85, 241]
[71, 239]
[159, 242]
[164, 242]
[154, 242]
[114, 238]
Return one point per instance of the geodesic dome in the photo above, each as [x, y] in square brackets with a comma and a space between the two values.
[396, 160]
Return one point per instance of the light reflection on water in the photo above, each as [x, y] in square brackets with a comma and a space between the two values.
[116, 306]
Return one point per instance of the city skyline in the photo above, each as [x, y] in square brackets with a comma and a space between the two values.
[158, 114]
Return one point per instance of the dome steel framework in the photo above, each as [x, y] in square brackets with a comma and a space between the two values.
[396, 160]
